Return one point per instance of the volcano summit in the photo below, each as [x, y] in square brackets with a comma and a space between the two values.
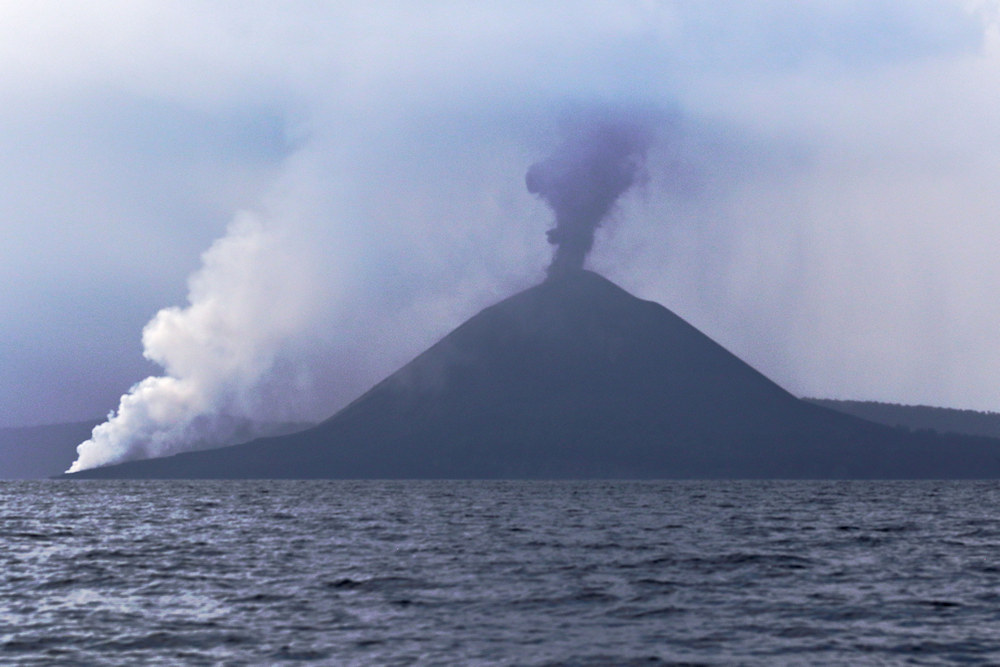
[576, 378]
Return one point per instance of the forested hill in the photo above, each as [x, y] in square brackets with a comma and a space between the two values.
[919, 417]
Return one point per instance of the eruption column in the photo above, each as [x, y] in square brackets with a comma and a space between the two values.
[598, 162]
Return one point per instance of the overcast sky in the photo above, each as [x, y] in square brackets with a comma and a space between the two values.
[317, 191]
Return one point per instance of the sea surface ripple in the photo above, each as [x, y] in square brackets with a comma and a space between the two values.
[506, 573]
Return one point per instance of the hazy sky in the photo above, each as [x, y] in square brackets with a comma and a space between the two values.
[316, 191]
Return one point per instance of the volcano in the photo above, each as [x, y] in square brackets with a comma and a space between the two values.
[576, 378]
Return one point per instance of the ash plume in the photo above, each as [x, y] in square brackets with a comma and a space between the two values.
[601, 157]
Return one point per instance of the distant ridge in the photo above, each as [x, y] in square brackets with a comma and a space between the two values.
[919, 417]
[576, 378]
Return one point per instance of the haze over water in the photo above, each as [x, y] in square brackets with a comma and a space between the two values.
[528, 573]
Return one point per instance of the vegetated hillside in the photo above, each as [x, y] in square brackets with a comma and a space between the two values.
[37, 452]
[919, 417]
[576, 378]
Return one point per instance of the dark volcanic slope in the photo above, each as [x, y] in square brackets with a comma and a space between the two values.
[577, 378]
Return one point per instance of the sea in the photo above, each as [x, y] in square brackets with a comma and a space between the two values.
[499, 572]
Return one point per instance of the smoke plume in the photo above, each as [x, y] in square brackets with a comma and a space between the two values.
[219, 353]
[600, 159]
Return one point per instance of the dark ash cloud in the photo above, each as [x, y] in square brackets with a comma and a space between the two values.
[601, 157]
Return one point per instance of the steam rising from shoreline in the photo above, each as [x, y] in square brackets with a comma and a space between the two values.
[244, 305]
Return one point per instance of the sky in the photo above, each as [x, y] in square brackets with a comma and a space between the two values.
[259, 209]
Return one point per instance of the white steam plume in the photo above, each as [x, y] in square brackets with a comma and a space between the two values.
[216, 351]
[307, 302]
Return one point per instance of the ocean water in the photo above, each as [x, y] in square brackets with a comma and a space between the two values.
[506, 573]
